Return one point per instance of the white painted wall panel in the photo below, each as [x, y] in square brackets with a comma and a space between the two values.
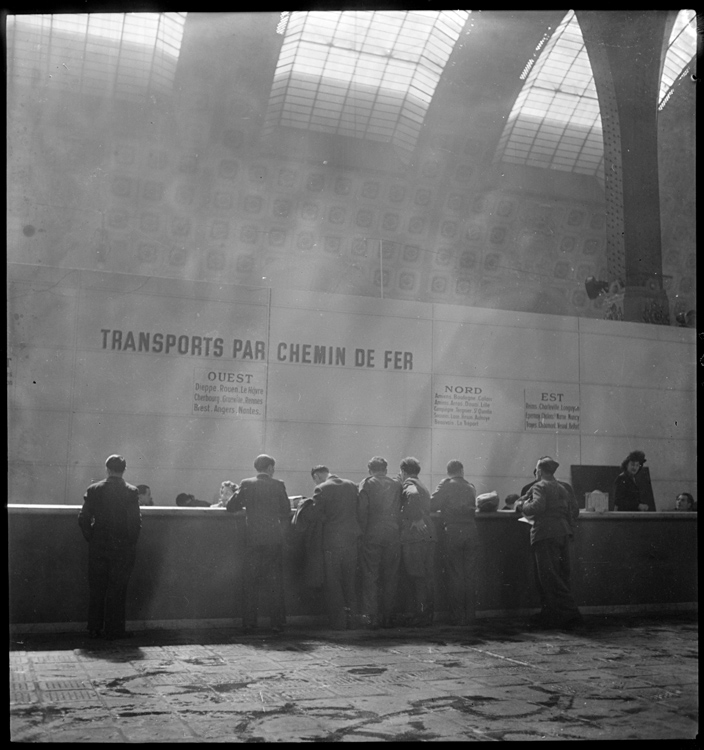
[38, 436]
[41, 313]
[183, 442]
[638, 361]
[41, 483]
[640, 412]
[298, 393]
[42, 377]
[489, 351]
[478, 385]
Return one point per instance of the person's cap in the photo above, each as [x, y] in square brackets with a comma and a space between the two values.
[548, 464]
[116, 463]
[638, 456]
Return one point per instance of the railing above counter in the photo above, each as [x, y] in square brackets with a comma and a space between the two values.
[167, 510]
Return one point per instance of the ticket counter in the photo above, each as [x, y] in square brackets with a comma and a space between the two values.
[189, 567]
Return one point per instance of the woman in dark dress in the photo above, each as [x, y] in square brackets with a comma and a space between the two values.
[627, 494]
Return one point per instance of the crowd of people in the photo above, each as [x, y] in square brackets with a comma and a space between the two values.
[627, 493]
[350, 539]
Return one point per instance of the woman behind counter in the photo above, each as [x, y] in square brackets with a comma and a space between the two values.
[627, 494]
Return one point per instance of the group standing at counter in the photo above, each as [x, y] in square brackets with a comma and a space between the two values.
[376, 530]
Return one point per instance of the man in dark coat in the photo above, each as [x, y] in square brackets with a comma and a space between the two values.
[335, 502]
[417, 541]
[455, 498]
[110, 521]
[264, 503]
[566, 485]
[380, 521]
[553, 513]
[307, 544]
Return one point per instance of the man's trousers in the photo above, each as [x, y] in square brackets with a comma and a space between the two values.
[551, 559]
[109, 572]
[263, 578]
[380, 566]
[339, 586]
[418, 562]
[461, 559]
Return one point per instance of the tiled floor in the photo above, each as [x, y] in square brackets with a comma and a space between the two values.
[617, 678]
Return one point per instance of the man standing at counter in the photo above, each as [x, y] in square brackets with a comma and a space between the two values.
[417, 541]
[335, 501]
[552, 511]
[380, 519]
[566, 485]
[455, 498]
[267, 511]
[110, 521]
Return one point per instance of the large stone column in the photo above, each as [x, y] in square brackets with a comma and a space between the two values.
[625, 50]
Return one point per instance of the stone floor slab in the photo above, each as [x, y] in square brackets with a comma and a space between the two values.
[495, 683]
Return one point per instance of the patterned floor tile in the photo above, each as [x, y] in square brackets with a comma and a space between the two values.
[68, 696]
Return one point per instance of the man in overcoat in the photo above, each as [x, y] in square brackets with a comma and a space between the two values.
[380, 522]
[553, 512]
[417, 542]
[335, 502]
[110, 521]
[455, 498]
[264, 503]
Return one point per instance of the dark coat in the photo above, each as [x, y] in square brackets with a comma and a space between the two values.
[566, 485]
[415, 506]
[336, 502]
[110, 517]
[380, 509]
[307, 544]
[627, 495]
[456, 499]
[552, 509]
[267, 509]
[573, 514]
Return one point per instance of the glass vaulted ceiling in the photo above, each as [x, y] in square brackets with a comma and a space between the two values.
[681, 49]
[555, 122]
[127, 55]
[363, 74]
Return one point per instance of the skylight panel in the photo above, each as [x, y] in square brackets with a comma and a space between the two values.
[376, 69]
[558, 104]
[681, 49]
[129, 55]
